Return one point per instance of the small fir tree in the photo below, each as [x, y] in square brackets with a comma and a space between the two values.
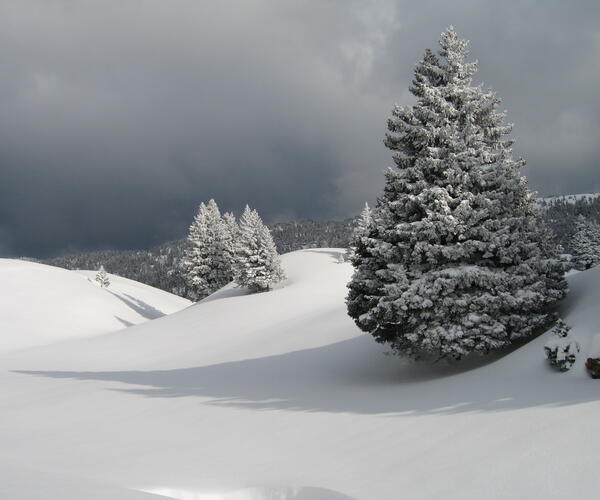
[361, 229]
[208, 257]
[102, 278]
[561, 350]
[586, 243]
[257, 264]
[455, 261]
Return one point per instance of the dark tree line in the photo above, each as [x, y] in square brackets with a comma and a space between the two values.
[160, 266]
[561, 212]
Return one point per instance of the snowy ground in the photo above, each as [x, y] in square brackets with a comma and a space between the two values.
[278, 396]
[43, 304]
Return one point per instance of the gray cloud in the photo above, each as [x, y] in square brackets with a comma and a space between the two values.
[119, 117]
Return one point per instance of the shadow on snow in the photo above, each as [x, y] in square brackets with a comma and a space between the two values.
[139, 306]
[353, 376]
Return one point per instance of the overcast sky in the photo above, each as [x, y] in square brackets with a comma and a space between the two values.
[118, 117]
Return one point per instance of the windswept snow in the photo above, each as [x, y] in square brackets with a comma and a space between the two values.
[277, 396]
[42, 304]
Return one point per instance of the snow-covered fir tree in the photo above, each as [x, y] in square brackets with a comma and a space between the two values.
[455, 261]
[102, 278]
[231, 235]
[257, 264]
[586, 243]
[361, 229]
[209, 255]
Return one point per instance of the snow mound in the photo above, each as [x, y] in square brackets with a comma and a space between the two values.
[42, 304]
[280, 388]
[259, 493]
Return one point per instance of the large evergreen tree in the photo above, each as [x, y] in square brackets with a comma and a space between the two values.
[257, 265]
[208, 257]
[456, 260]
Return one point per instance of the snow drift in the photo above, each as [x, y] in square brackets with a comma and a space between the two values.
[278, 396]
[41, 304]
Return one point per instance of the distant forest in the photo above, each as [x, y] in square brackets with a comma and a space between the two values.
[560, 213]
[161, 266]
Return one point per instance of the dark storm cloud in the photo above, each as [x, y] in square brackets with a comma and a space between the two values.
[119, 117]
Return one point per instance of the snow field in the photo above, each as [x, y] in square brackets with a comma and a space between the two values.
[278, 395]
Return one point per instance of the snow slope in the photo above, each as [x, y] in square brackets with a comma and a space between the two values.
[278, 396]
[42, 304]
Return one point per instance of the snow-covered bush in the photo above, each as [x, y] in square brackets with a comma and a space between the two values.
[457, 259]
[209, 255]
[561, 351]
[586, 243]
[257, 264]
[102, 278]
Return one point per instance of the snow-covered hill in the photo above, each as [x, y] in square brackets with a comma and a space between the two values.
[278, 396]
[42, 304]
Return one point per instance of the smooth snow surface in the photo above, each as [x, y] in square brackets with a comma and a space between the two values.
[277, 396]
[42, 304]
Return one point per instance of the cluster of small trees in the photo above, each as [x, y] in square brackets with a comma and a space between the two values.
[221, 250]
[454, 258]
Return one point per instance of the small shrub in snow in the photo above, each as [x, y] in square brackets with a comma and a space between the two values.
[102, 278]
[593, 367]
[561, 351]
